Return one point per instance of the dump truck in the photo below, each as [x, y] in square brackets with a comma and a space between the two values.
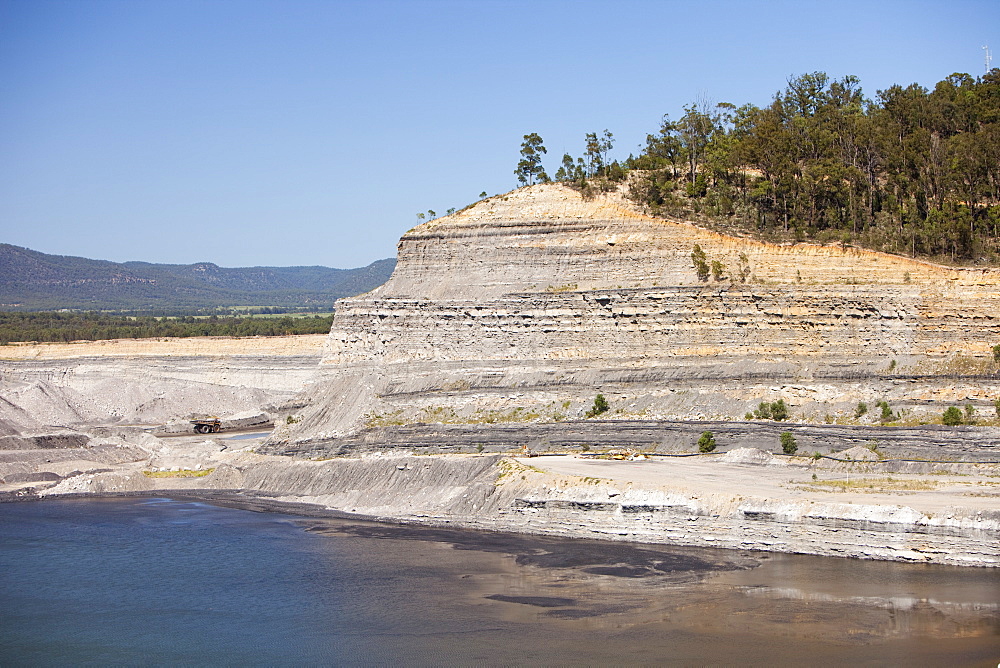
[208, 425]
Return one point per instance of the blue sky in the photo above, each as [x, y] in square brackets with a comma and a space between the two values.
[299, 132]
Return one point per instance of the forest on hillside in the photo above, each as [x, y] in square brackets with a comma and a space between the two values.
[93, 326]
[911, 171]
[35, 281]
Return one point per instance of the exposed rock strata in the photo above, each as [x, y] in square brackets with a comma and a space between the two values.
[868, 531]
[930, 443]
[497, 329]
[536, 300]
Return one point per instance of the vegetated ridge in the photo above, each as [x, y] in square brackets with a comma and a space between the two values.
[34, 281]
[912, 171]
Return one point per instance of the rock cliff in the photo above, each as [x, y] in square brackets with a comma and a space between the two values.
[497, 329]
[524, 306]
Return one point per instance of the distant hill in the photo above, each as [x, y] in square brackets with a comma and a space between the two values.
[33, 281]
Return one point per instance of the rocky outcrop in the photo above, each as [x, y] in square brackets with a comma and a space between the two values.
[867, 531]
[524, 306]
[495, 332]
[929, 443]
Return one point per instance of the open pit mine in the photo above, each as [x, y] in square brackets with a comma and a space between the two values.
[490, 342]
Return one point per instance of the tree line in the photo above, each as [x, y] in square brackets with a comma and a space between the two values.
[912, 171]
[593, 164]
[64, 327]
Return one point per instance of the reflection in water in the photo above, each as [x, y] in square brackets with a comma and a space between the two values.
[161, 581]
[710, 605]
[707, 605]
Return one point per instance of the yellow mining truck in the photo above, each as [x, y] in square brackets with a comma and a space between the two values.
[208, 425]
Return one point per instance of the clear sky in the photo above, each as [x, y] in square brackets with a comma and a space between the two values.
[296, 132]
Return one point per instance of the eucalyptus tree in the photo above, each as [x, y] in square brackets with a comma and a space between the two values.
[596, 151]
[664, 147]
[530, 165]
[592, 153]
[567, 170]
[605, 144]
[695, 129]
[912, 170]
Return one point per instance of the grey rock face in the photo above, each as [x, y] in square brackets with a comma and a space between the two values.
[523, 307]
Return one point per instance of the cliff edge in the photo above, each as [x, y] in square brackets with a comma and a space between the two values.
[523, 306]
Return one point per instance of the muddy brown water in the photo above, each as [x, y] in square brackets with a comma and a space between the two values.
[179, 580]
[587, 602]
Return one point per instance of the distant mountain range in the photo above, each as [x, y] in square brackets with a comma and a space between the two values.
[33, 281]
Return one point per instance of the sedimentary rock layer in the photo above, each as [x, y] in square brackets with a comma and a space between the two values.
[928, 444]
[529, 304]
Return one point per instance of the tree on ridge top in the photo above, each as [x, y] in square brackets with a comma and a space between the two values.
[530, 165]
